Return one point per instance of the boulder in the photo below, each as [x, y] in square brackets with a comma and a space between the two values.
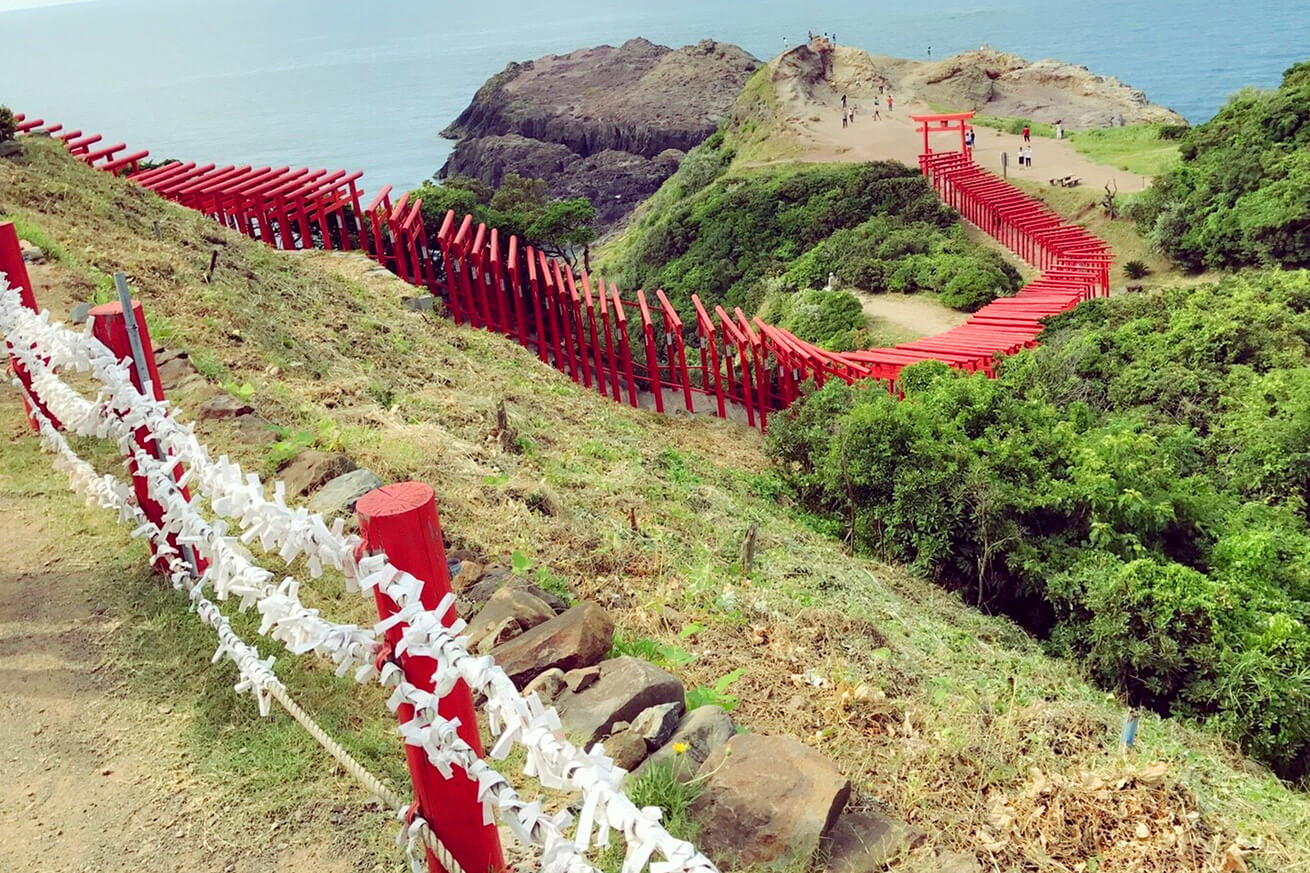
[509, 604]
[864, 842]
[80, 313]
[578, 638]
[311, 469]
[627, 749]
[656, 724]
[507, 630]
[472, 594]
[223, 406]
[547, 686]
[469, 572]
[767, 801]
[626, 686]
[339, 495]
[699, 733]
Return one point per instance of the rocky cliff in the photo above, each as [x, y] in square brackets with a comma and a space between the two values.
[610, 124]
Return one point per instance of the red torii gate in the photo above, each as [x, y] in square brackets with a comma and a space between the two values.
[944, 120]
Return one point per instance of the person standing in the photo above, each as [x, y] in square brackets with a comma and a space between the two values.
[1059, 129]
[968, 138]
[844, 118]
[877, 116]
[1027, 133]
[889, 104]
[843, 101]
[851, 114]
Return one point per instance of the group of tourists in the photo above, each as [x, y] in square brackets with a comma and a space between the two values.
[848, 109]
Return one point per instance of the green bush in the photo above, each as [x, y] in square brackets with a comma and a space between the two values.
[8, 124]
[1241, 193]
[832, 319]
[1136, 269]
[1135, 490]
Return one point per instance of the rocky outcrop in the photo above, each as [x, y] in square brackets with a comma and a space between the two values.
[610, 124]
[1002, 84]
[578, 638]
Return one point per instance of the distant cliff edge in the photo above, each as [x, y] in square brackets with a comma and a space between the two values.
[609, 124]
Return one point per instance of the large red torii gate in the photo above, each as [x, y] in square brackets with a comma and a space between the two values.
[944, 121]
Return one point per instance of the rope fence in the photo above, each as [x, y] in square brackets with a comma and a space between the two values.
[416, 649]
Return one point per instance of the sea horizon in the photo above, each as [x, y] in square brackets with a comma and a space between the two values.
[319, 84]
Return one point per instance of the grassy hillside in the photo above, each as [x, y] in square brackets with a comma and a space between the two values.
[964, 728]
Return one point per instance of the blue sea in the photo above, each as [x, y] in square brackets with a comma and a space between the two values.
[368, 85]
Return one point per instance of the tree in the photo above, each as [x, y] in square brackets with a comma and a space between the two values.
[8, 124]
[563, 227]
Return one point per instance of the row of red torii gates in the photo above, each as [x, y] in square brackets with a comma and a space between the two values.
[633, 349]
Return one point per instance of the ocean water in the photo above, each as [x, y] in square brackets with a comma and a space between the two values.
[369, 85]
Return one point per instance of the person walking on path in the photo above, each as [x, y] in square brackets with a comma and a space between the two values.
[877, 116]
[889, 104]
[968, 138]
[1027, 134]
[844, 118]
[843, 101]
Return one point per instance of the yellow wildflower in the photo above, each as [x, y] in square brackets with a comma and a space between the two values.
[679, 748]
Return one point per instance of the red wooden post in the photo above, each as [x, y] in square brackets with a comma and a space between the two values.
[673, 333]
[110, 327]
[12, 265]
[580, 333]
[534, 285]
[564, 300]
[652, 362]
[590, 304]
[401, 521]
[625, 349]
[516, 290]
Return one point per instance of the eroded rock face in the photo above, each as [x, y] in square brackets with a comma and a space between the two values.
[599, 122]
[767, 801]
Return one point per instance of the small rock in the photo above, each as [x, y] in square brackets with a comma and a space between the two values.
[580, 680]
[164, 709]
[36, 731]
[339, 496]
[311, 469]
[626, 687]
[79, 314]
[767, 801]
[620, 726]
[469, 573]
[700, 732]
[656, 724]
[547, 686]
[509, 603]
[105, 772]
[425, 303]
[223, 406]
[627, 749]
[507, 630]
[174, 368]
[864, 842]
[578, 638]
[255, 430]
[32, 254]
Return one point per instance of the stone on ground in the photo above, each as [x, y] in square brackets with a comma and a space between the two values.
[255, 430]
[311, 469]
[656, 724]
[547, 686]
[32, 253]
[699, 733]
[80, 313]
[578, 638]
[627, 748]
[864, 842]
[174, 368]
[509, 604]
[339, 496]
[767, 801]
[223, 406]
[475, 591]
[625, 688]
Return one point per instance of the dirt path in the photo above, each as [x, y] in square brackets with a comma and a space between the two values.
[915, 315]
[816, 122]
[93, 776]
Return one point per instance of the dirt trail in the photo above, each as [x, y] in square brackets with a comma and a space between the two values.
[92, 776]
[914, 314]
[814, 116]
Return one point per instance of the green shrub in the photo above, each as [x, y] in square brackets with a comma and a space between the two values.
[1136, 269]
[831, 319]
[1241, 193]
[8, 124]
[1135, 489]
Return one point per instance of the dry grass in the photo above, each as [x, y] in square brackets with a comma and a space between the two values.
[935, 711]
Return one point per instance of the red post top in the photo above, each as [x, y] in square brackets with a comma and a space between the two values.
[401, 520]
[110, 328]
